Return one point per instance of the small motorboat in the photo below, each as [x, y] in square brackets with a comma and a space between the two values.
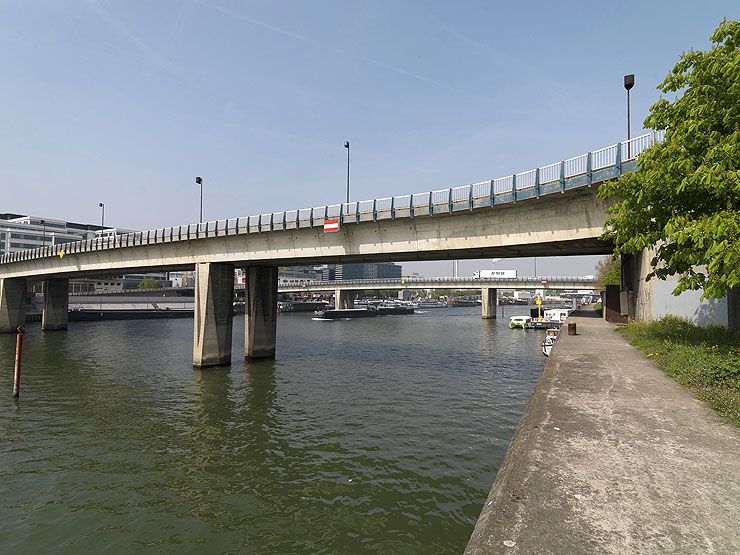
[520, 322]
[549, 342]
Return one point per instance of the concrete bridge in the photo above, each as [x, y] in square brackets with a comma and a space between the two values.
[345, 291]
[548, 211]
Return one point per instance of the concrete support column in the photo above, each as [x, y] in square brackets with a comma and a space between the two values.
[344, 299]
[56, 304]
[488, 302]
[12, 304]
[260, 311]
[214, 314]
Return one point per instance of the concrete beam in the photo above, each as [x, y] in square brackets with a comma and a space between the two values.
[214, 314]
[56, 304]
[553, 225]
[12, 304]
[488, 302]
[344, 298]
[260, 311]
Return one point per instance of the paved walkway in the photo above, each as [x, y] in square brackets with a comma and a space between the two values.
[612, 456]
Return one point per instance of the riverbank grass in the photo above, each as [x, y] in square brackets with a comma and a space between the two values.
[705, 359]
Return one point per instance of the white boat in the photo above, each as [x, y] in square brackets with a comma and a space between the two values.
[519, 322]
[549, 342]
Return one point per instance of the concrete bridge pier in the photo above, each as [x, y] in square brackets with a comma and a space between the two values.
[344, 299]
[214, 314]
[56, 304]
[260, 311]
[12, 304]
[488, 302]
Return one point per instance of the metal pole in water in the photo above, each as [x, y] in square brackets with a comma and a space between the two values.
[18, 353]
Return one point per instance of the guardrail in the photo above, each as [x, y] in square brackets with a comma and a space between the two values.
[579, 171]
[402, 283]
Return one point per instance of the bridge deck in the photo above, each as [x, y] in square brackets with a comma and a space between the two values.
[581, 171]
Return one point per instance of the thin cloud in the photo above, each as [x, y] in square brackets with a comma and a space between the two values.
[334, 49]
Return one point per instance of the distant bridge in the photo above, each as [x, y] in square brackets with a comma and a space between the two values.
[559, 282]
[547, 211]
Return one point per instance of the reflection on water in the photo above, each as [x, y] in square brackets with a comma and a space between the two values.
[379, 435]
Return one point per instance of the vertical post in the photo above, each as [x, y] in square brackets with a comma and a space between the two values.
[260, 311]
[513, 187]
[56, 304]
[589, 173]
[618, 160]
[629, 131]
[214, 312]
[562, 176]
[492, 193]
[18, 356]
[346, 145]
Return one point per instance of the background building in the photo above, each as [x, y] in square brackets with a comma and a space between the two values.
[380, 270]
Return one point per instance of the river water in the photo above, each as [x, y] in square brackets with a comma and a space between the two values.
[378, 435]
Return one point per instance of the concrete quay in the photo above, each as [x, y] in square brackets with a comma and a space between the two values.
[612, 456]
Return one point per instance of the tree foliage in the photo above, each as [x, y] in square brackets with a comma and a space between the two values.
[148, 283]
[685, 200]
[608, 272]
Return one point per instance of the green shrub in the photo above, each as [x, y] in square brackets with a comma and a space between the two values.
[706, 359]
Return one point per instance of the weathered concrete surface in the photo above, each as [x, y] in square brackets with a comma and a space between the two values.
[214, 314]
[12, 304]
[344, 298]
[260, 312]
[488, 302]
[612, 456]
[55, 315]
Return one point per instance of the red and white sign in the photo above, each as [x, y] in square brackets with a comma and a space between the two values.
[331, 226]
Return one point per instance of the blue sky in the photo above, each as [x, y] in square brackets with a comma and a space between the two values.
[124, 102]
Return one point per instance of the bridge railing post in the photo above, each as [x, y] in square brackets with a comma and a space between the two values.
[449, 200]
[492, 194]
[411, 206]
[589, 172]
[393, 208]
[470, 196]
[375, 210]
[431, 204]
[513, 187]
[562, 176]
[537, 181]
[618, 158]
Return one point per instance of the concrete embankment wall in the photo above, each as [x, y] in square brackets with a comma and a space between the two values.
[612, 456]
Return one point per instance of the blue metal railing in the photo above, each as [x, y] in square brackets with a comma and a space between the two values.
[580, 171]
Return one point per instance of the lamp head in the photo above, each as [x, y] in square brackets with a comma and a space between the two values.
[629, 81]
[346, 144]
[101, 204]
[198, 180]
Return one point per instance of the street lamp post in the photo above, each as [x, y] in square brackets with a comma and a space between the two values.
[629, 82]
[43, 233]
[346, 145]
[102, 217]
[199, 181]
